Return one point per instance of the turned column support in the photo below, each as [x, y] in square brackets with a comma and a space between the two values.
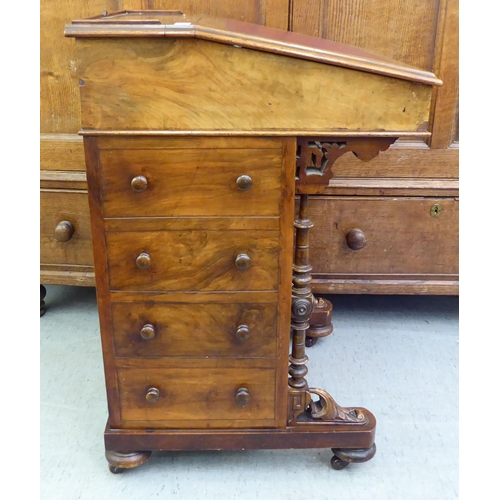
[311, 406]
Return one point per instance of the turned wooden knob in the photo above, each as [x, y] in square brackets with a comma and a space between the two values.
[139, 184]
[243, 332]
[148, 332]
[243, 261]
[64, 231]
[244, 182]
[355, 239]
[143, 261]
[153, 395]
[242, 396]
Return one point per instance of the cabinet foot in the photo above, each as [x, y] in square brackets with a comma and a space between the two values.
[43, 293]
[320, 322]
[118, 462]
[342, 458]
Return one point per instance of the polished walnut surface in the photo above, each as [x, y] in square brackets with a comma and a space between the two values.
[422, 34]
[192, 211]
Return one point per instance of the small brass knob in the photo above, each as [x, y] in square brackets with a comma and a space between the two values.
[64, 231]
[148, 332]
[243, 262]
[243, 332]
[153, 395]
[242, 396]
[139, 184]
[143, 261]
[244, 182]
[355, 239]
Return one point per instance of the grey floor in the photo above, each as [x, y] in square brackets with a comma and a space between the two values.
[395, 355]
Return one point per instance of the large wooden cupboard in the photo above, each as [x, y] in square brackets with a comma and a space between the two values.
[389, 226]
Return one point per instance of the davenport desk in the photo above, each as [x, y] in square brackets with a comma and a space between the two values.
[199, 135]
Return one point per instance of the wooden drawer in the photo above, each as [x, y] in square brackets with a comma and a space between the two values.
[402, 236]
[176, 329]
[196, 397]
[183, 182]
[57, 206]
[193, 260]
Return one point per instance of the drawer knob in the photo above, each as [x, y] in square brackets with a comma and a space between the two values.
[355, 239]
[243, 332]
[148, 332]
[139, 184]
[64, 231]
[143, 261]
[244, 182]
[242, 396]
[243, 262]
[153, 395]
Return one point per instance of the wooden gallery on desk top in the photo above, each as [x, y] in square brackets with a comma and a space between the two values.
[207, 143]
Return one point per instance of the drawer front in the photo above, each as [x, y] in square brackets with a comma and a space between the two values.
[65, 236]
[204, 182]
[196, 397]
[399, 236]
[204, 330]
[193, 260]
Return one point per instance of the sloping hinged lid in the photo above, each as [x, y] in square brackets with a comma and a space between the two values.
[175, 24]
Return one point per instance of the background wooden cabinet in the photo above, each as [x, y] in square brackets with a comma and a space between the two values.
[405, 201]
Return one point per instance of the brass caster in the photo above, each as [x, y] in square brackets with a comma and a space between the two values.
[116, 470]
[338, 463]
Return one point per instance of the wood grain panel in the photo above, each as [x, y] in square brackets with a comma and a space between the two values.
[72, 206]
[59, 94]
[191, 182]
[445, 115]
[402, 30]
[149, 84]
[195, 329]
[273, 13]
[193, 260]
[402, 236]
[62, 152]
[196, 396]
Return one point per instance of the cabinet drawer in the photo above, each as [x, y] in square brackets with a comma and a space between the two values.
[400, 236]
[204, 330]
[193, 260]
[65, 215]
[204, 182]
[196, 397]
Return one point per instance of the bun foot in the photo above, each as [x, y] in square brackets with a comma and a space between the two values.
[342, 458]
[43, 293]
[118, 462]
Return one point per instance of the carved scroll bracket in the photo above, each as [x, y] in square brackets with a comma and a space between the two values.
[316, 156]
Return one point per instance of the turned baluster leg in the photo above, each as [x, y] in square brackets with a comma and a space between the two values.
[302, 298]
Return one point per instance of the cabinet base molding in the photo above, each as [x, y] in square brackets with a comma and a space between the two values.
[389, 286]
[317, 435]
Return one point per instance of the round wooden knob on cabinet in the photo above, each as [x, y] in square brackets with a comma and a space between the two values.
[139, 184]
[355, 239]
[243, 332]
[242, 396]
[153, 395]
[143, 261]
[148, 332]
[244, 182]
[243, 262]
[64, 231]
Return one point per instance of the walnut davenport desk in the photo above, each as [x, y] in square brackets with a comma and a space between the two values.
[199, 134]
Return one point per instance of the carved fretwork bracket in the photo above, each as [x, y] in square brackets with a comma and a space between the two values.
[316, 156]
[303, 409]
